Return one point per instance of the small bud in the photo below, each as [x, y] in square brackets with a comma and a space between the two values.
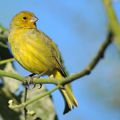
[31, 112]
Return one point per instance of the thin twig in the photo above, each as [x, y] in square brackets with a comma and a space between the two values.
[6, 61]
[24, 104]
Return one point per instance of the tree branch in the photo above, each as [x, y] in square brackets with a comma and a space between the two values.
[71, 78]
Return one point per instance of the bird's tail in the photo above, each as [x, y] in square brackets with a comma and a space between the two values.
[70, 101]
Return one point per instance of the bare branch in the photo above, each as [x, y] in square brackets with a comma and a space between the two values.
[70, 78]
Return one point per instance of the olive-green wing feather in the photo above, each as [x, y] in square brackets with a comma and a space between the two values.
[56, 54]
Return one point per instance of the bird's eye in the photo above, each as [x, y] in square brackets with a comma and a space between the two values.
[24, 18]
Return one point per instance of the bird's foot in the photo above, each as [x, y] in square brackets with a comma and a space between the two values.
[40, 84]
[38, 76]
[28, 81]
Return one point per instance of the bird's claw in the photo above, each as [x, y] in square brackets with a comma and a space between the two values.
[28, 81]
[40, 86]
[34, 85]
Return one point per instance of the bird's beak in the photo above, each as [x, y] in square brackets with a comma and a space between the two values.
[34, 19]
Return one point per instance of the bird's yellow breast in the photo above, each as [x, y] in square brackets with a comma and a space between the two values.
[31, 51]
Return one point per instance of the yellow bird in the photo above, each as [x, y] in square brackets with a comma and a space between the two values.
[37, 53]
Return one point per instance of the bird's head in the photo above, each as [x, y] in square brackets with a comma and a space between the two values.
[24, 19]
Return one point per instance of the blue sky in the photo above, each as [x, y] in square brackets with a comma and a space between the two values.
[78, 27]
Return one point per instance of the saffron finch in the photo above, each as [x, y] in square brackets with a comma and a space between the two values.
[37, 53]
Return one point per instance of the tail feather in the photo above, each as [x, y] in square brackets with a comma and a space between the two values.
[70, 101]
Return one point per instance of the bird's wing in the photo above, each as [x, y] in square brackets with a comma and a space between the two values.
[56, 54]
